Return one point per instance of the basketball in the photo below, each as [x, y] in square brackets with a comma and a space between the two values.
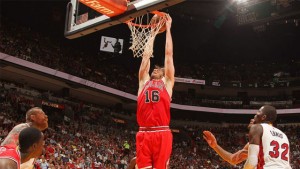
[155, 19]
[162, 29]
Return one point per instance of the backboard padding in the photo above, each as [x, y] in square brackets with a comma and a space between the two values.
[135, 9]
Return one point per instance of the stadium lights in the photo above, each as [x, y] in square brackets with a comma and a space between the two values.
[241, 1]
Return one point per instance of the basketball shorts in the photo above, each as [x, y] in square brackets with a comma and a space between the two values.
[153, 149]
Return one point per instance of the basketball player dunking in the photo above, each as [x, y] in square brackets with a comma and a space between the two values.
[154, 139]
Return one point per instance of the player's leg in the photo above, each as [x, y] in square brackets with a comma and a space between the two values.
[162, 150]
[143, 151]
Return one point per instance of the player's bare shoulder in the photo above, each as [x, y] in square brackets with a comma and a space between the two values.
[12, 137]
[18, 128]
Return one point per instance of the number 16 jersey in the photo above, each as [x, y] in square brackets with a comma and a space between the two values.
[274, 149]
[153, 105]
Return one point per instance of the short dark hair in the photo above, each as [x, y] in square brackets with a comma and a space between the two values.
[28, 137]
[270, 112]
[160, 67]
[31, 112]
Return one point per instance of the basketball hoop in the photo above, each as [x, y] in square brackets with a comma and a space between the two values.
[143, 32]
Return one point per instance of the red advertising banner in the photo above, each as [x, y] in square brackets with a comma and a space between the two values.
[109, 8]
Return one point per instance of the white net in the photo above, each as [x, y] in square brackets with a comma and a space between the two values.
[143, 36]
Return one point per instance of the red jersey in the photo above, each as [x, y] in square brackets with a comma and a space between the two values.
[10, 153]
[71, 165]
[50, 151]
[153, 106]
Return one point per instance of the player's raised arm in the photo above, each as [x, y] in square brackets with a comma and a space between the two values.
[169, 64]
[144, 72]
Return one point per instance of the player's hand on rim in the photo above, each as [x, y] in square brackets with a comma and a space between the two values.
[168, 21]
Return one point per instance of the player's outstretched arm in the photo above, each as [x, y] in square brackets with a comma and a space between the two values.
[169, 64]
[144, 72]
[232, 158]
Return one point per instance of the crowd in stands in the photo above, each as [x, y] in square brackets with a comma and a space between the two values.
[38, 48]
[91, 138]
[232, 102]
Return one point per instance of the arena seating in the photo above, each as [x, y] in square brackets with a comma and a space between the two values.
[90, 136]
[48, 51]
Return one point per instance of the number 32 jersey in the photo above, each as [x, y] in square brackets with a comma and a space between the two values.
[153, 105]
[274, 149]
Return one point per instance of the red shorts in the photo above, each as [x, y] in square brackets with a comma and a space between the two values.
[153, 148]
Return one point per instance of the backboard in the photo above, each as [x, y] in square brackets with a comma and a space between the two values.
[82, 20]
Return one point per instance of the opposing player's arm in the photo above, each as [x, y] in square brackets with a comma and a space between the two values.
[240, 155]
[8, 164]
[13, 135]
[169, 64]
[255, 135]
[144, 72]
[231, 158]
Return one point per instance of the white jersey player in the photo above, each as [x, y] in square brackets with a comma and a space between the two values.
[274, 148]
[269, 147]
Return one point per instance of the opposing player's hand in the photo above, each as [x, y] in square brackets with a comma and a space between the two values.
[168, 22]
[210, 139]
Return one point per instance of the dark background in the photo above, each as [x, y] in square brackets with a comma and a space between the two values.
[203, 32]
